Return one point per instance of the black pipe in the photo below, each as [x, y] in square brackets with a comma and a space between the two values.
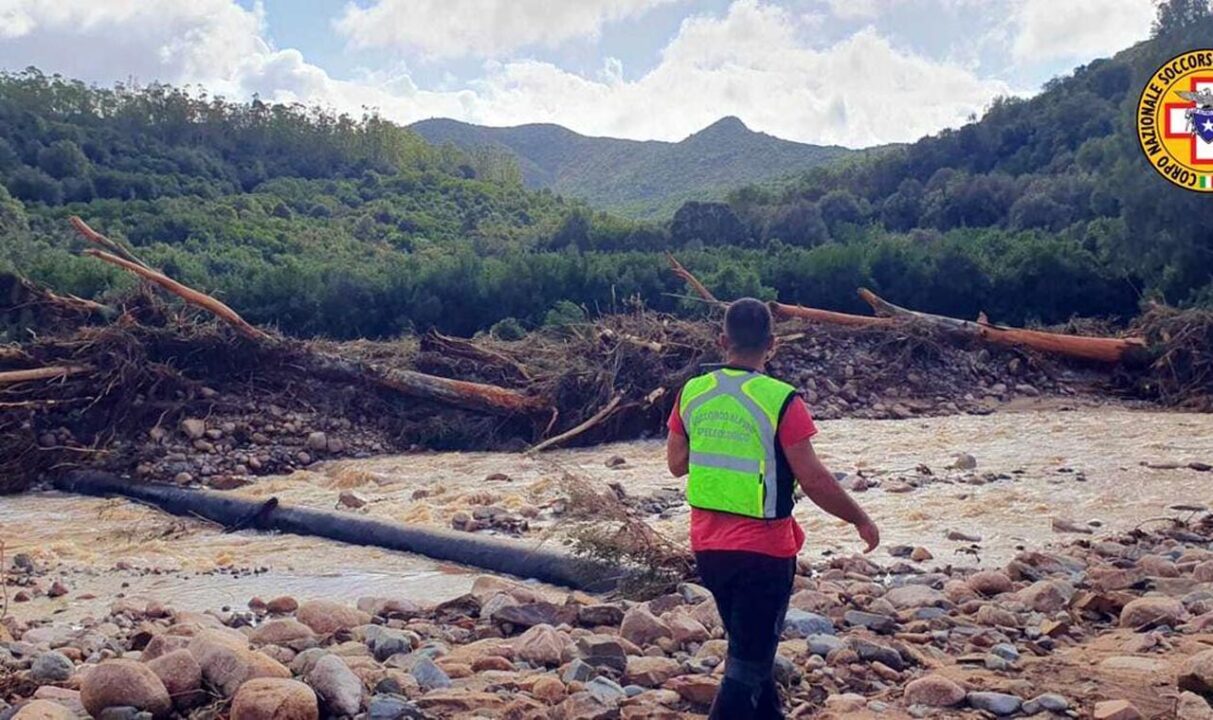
[488, 553]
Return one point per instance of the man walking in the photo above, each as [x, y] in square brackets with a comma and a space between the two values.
[744, 440]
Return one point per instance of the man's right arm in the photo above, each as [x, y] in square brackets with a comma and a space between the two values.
[826, 493]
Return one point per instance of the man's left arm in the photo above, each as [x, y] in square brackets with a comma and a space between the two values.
[677, 453]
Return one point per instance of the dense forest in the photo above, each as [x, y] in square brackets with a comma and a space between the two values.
[330, 225]
[641, 179]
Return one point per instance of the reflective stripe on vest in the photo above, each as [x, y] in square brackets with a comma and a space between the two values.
[731, 385]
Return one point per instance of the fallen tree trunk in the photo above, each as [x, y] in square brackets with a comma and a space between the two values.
[460, 393]
[799, 312]
[1082, 347]
[488, 553]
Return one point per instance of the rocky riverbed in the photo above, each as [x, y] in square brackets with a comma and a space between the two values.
[1056, 605]
[1112, 628]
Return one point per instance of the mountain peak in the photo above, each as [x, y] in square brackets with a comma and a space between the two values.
[727, 125]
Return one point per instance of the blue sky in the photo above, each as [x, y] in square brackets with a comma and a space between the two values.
[852, 72]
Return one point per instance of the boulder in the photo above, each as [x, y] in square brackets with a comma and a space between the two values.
[997, 617]
[486, 586]
[282, 631]
[698, 690]
[118, 683]
[1196, 673]
[226, 666]
[1116, 710]
[643, 628]
[686, 629]
[69, 699]
[393, 707]
[873, 621]
[182, 677]
[541, 645]
[1192, 707]
[428, 675]
[333, 680]
[600, 614]
[51, 667]
[1046, 596]
[585, 706]
[43, 710]
[275, 699]
[1149, 612]
[326, 617]
[875, 652]
[990, 582]
[283, 605]
[1000, 704]
[193, 428]
[813, 601]
[1203, 572]
[163, 645]
[934, 691]
[915, 596]
[602, 651]
[650, 671]
[801, 624]
[549, 689]
[527, 615]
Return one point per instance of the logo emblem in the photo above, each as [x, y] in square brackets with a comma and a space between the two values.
[1175, 120]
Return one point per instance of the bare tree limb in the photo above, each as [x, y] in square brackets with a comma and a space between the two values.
[691, 280]
[606, 411]
[11, 377]
[188, 294]
[98, 239]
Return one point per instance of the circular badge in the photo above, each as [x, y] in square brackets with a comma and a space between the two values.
[1175, 120]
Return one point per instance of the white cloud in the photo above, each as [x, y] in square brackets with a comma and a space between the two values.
[1078, 29]
[855, 9]
[169, 40]
[481, 28]
[753, 62]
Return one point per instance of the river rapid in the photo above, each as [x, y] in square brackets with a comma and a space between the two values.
[1112, 466]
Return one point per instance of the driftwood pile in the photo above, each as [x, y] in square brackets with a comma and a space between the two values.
[87, 384]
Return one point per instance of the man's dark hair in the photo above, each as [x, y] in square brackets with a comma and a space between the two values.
[747, 323]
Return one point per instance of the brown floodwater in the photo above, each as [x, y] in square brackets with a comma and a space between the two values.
[1088, 465]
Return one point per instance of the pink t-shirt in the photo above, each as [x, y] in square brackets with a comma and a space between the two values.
[723, 531]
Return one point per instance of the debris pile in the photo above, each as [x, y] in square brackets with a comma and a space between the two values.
[176, 386]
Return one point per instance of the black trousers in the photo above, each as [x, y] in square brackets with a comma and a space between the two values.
[751, 592]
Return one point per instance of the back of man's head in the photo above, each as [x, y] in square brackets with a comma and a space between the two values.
[747, 323]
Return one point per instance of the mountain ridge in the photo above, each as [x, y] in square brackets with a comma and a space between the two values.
[640, 178]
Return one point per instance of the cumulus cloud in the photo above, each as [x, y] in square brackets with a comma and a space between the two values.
[752, 62]
[481, 28]
[169, 40]
[1078, 29]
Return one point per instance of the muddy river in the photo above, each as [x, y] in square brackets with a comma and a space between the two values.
[1111, 467]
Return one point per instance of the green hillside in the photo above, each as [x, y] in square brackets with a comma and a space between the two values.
[1055, 184]
[647, 179]
[327, 225]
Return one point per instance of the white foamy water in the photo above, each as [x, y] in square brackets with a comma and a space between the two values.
[1107, 445]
